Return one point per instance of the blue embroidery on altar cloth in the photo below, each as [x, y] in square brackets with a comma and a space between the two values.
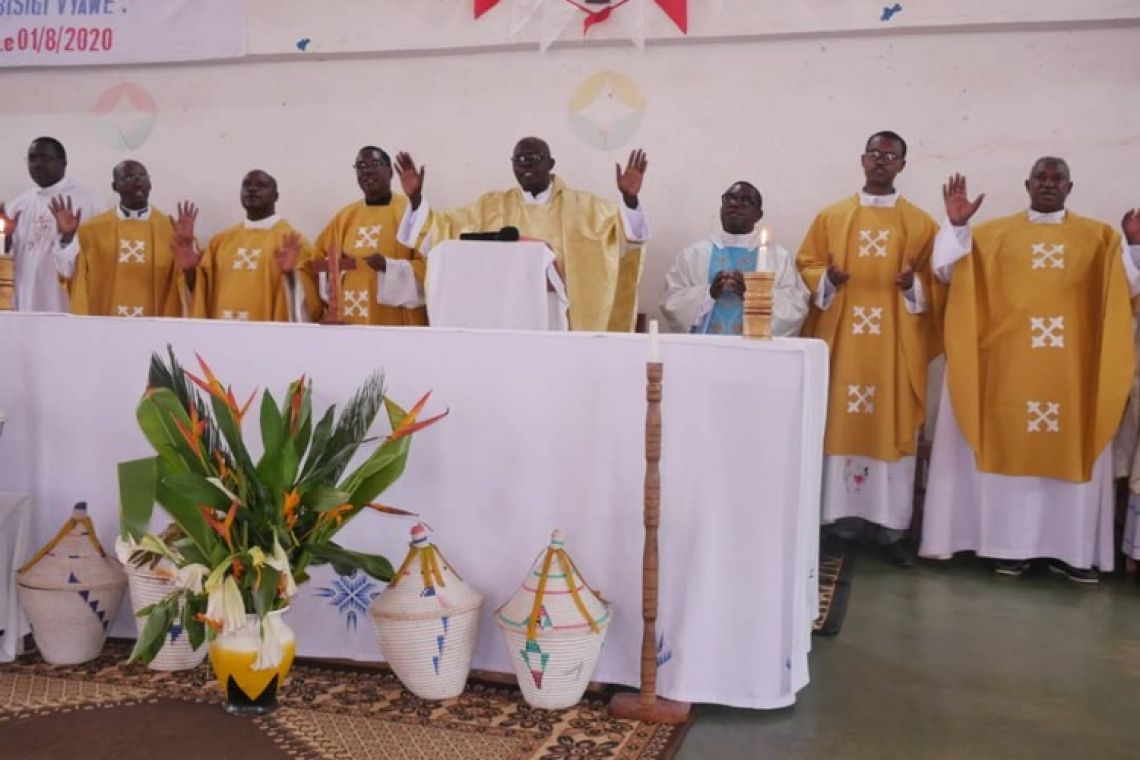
[351, 595]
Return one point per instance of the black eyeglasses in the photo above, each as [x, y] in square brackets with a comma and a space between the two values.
[878, 155]
[362, 165]
[525, 159]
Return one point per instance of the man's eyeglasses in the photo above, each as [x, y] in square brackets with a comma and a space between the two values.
[526, 159]
[879, 155]
[362, 165]
[740, 199]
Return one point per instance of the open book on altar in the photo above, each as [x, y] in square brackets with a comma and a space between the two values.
[494, 285]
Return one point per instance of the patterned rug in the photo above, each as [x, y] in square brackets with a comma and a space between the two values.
[835, 568]
[106, 709]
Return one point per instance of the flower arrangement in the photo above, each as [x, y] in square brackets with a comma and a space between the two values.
[249, 531]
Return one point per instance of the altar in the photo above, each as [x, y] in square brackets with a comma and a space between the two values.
[545, 431]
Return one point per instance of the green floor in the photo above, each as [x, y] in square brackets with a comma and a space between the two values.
[950, 661]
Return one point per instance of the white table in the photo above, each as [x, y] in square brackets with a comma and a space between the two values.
[545, 431]
[15, 548]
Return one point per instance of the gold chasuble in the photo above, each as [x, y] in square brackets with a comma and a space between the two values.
[360, 230]
[1039, 352]
[126, 268]
[879, 351]
[238, 277]
[586, 235]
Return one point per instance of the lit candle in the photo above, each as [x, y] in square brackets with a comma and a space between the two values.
[762, 254]
[3, 240]
[654, 343]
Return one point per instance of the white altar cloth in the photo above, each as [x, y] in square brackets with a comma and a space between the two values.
[15, 549]
[545, 431]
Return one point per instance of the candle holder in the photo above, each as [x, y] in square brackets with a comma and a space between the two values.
[758, 298]
[645, 705]
[7, 280]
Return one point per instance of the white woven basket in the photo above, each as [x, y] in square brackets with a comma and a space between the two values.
[556, 663]
[571, 658]
[427, 622]
[71, 591]
[148, 587]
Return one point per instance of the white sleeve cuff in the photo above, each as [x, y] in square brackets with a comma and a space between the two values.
[825, 293]
[412, 224]
[915, 298]
[635, 223]
[1132, 266]
[951, 245]
[65, 256]
[397, 285]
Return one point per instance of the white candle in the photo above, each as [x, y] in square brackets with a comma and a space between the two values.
[762, 254]
[654, 343]
[2, 238]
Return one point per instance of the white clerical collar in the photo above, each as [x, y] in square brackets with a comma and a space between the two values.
[141, 214]
[1041, 217]
[59, 187]
[261, 224]
[878, 201]
[540, 198]
[749, 240]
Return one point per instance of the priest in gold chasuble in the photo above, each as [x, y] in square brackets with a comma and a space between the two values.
[256, 271]
[387, 285]
[126, 264]
[866, 259]
[597, 244]
[1039, 361]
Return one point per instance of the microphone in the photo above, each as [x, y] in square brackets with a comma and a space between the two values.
[505, 235]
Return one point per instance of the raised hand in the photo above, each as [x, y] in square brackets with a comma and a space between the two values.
[67, 217]
[186, 254]
[184, 222]
[288, 252]
[959, 207]
[1130, 224]
[629, 181]
[411, 179]
[834, 273]
[8, 223]
[905, 278]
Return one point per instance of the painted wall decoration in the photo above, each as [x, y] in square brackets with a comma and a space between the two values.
[89, 32]
[125, 115]
[557, 15]
[606, 110]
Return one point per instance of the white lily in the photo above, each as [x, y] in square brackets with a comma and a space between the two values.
[271, 646]
[225, 606]
[191, 577]
[280, 562]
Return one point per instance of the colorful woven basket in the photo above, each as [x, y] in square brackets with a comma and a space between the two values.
[554, 626]
[71, 591]
[427, 621]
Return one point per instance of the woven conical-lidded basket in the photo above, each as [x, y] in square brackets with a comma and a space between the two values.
[554, 627]
[70, 591]
[427, 621]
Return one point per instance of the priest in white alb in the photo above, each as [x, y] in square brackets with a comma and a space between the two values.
[704, 290]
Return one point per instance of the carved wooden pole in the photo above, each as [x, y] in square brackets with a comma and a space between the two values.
[645, 705]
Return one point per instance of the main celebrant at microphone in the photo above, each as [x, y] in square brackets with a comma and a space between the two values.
[597, 243]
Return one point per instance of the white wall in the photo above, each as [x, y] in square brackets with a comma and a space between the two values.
[783, 100]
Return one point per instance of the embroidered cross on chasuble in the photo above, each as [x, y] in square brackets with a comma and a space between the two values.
[1039, 350]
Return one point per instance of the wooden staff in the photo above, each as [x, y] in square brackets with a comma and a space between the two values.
[645, 705]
